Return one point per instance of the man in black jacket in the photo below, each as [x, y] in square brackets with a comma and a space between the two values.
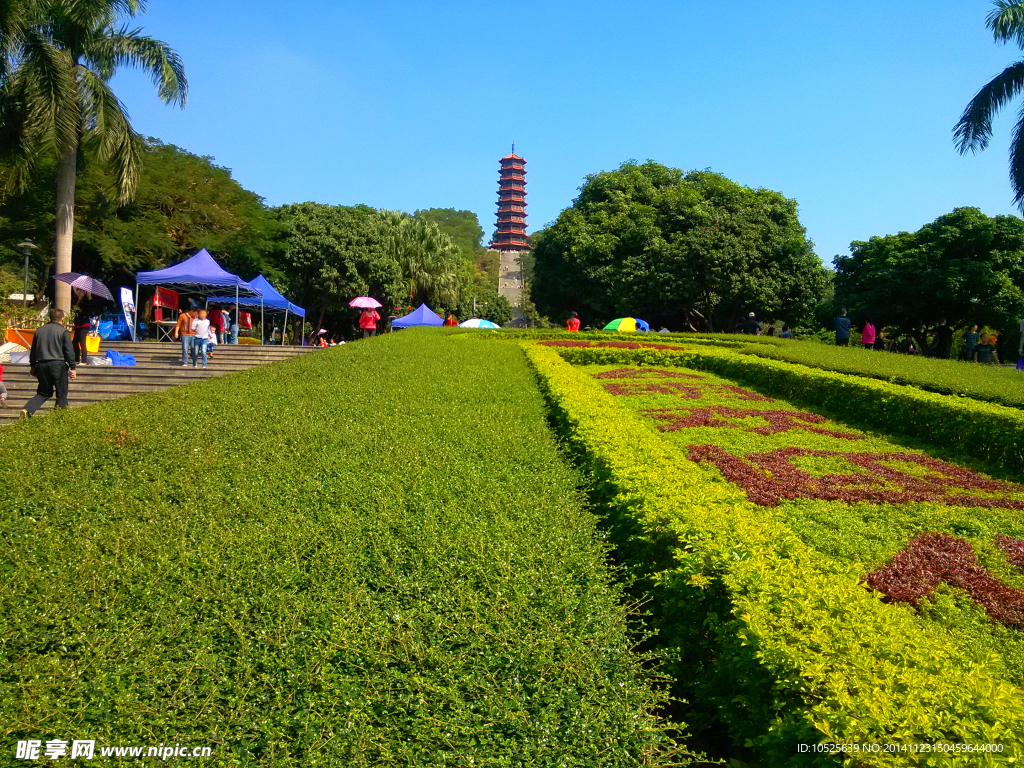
[52, 362]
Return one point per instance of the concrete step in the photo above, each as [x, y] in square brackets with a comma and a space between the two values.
[158, 367]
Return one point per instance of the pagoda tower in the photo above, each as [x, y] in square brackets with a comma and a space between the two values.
[510, 234]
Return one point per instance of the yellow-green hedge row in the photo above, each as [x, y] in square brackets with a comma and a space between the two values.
[960, 425]
[842, 666]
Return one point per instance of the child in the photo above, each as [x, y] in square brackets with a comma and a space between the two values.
[201, 328]
[212, 342]
[3, 389]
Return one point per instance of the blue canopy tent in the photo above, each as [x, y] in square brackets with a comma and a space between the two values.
[270, 298]
[422, 315]
[199, 272]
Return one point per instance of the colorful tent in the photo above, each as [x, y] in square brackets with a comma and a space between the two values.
[422, 315]
[627, 324]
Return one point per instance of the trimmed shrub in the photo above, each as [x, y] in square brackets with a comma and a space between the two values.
[370, 555]
[784, 643]
[957, 426]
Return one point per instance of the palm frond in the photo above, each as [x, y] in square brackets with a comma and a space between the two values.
[1017, 161]
[974, 130]
[1006, 20]
[108, 133]
[110, 49]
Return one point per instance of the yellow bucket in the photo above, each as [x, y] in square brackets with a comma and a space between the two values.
[92, 344]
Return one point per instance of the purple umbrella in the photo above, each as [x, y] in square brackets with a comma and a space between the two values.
[84, 283]
[364, 302]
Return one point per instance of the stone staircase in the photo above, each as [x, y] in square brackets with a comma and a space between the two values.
[157, 366]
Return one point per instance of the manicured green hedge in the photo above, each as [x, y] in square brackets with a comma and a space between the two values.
[950, 377]
[957, 426]
[370, 555]
[785, 643]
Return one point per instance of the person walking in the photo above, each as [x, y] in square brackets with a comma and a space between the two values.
[183, 330]
[750, 326]
[843, 330]
[368, 322]
[867, 334]
[3, 389]
[969, 341]
[52, 361]
[943, 339]
[573, 323]
[201, 336]
[233, 324]
[82, 324]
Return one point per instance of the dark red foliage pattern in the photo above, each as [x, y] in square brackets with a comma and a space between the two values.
[643, 388]
[609, 344]
[746, 394]
[778, 421]
[645, 373]
[768, 478]
[932, 558]
[1014, 549]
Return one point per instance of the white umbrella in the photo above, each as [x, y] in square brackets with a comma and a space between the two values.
[476, 322]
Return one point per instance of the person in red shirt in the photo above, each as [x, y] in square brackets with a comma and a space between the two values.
[573, 324]
[368, 322]
[450, 321]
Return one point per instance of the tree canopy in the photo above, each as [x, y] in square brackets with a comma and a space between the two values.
[965, 267]
[682, 249]
[182, 203]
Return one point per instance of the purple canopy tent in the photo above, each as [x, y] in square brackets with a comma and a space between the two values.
[422, 315]
[195, 273]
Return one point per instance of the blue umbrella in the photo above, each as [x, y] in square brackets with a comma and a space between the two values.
[84, 283]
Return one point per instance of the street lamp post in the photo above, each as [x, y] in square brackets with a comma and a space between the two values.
[27, 246]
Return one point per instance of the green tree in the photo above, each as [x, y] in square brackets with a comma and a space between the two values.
[687, 250]
[334, 253]
[58, 57]
[182, 203]
[965, 267]
[464, 228]
[429, 259]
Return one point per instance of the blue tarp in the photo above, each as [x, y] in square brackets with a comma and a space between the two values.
[199, 271]
[422, 315]
[271, 298]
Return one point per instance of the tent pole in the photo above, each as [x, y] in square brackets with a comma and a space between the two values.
[238, 314]
[284, 326]
[263, 333]
[135, 325]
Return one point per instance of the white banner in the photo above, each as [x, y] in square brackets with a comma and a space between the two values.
[128, 302]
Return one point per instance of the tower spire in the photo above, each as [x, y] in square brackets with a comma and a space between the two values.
[510, 233]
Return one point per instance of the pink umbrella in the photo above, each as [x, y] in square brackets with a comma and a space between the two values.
[84, 283]
[365, 302]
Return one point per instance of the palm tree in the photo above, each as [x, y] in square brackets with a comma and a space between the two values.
[429, 258]
[56, 61]
[974, 131]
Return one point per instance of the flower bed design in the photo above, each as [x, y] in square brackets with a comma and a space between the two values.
[769, 478]
[767, 614]
[646, 373]
[778, 421]
[579, 343]
[933, 558]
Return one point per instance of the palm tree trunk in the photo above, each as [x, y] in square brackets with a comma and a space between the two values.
[65, 224]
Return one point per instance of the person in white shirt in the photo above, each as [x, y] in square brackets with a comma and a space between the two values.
[212, 342]
[201, 328]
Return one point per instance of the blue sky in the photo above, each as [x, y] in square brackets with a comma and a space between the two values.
[846, 107]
